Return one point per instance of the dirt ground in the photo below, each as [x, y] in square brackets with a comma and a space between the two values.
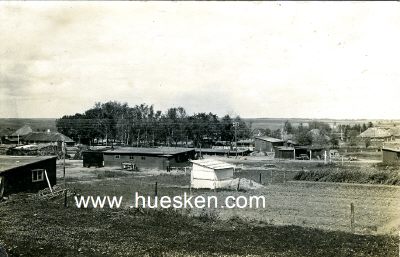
[300, 219]
[308, 204]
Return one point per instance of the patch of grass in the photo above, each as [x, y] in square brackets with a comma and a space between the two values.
[111, 174]
[39, 228]
[386, 177]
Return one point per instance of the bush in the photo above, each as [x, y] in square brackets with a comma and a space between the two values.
[208, 215]
[377, 176]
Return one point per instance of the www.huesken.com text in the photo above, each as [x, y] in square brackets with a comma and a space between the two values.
[176, 202]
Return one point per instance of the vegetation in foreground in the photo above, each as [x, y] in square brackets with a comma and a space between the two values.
[376, 174]
[42, 228]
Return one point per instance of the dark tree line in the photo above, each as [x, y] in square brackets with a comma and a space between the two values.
[141, 125]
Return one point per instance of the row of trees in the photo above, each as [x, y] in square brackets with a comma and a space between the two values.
[141, 125]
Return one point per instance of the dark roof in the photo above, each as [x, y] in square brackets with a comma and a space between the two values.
[149, 151]
[10, 162]
[25, 130]
[270, 139]
[47, 137]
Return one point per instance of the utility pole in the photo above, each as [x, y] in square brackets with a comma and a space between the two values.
[65, 183]
[137, 142]
[235, 125]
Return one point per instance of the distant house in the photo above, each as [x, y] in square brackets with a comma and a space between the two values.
[267, 144]
[374, 133]
[17, 135]
[149, 158]
[47, 137]
[211, 174]
[26, 173]
[390, 155]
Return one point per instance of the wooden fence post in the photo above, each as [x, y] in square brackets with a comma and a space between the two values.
[284, 176]
[352, 217]
[271, 177]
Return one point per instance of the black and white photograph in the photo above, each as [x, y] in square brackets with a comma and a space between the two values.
[199, 128]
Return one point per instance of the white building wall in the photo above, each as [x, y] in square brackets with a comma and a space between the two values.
[202, 177]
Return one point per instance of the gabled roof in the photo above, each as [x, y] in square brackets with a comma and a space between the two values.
[375, 133]
[47, 137]
[10, 162]
[22, 131]
[213, 164]
[270, 139]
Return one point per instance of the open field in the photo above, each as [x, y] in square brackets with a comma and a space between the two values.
[314, 205]
[300, 218]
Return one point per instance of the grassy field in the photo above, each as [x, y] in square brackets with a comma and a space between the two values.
[314, 205]
[301, 219]
[43, 228]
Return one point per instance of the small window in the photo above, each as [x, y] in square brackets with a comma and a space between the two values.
[37, 175]
[143, 158]
[117, 156]
[131, 157]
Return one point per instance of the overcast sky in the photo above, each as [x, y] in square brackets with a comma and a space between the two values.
[255, 59]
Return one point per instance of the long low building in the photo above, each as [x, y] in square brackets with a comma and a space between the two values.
[26, 173]
[149, 158]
